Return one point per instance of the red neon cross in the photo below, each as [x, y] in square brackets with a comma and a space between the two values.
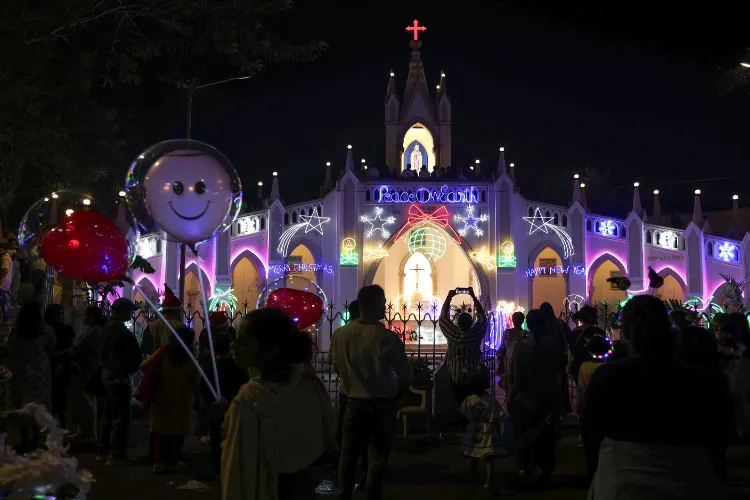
[416, 28]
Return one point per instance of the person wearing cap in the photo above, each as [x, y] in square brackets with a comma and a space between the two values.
[121, 357]
[157, 334]
[6, 277]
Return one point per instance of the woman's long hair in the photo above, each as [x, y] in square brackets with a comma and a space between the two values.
[29, 321]
[175, 352]
[647, 329]
[276, 332]
[554, 326]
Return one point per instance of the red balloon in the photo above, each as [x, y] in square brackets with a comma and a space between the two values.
[87, 246]
[304, 308]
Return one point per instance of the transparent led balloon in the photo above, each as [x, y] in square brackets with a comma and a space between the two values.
[69, 231]
[186, 188]
[300, 298]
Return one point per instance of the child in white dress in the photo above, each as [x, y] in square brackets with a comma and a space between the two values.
[482, 440]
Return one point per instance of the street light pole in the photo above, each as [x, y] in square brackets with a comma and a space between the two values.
[192, 87]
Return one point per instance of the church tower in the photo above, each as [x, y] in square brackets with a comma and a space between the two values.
[417, 132]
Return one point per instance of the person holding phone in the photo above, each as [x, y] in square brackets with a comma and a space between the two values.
[464, 336]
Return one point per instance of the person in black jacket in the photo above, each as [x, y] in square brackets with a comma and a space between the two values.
[121, 357]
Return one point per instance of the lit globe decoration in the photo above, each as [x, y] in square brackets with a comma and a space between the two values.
[300, 298]
[429, 241]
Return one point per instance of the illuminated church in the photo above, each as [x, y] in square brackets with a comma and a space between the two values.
[420, 228]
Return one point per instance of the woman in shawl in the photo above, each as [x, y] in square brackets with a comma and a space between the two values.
[280, 423]
[535, 402]
[639, 439]
[31, 343]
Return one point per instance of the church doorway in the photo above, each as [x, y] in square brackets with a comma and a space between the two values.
[548, 284]
[302, 255]
[417, 274]
[193, 296]
[247, 282]
[601, 289]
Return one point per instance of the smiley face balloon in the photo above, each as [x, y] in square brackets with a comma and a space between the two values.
[187, 189]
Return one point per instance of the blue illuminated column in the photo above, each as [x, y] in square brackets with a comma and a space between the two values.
[745, 256]
[695, 255]
[634, 223]
[506, 282]
[275, 229]
[576, 230]
[222, 261]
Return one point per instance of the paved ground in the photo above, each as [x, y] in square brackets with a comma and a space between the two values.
[419, 471]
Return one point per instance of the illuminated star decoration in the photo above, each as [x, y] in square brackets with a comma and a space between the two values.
[470, 221]
[312, 222]
[483, 258]
[541, 223]
[378, 253]
[726, 251]
[607, 228]
[223, 300]
[377, 223]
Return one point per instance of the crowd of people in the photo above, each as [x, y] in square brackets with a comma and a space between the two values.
[272, 422]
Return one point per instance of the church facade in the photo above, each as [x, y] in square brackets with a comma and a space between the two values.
[422, 229]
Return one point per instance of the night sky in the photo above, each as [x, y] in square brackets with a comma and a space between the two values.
[631, 91]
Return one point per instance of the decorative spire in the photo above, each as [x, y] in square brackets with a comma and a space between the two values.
[501, 169]
[656, 212]
[583, 195]
[697, 209]
[442, 88]
[637, 207]
[415, 81]
[512, 175]
[260, 191]
[328, 181]
[390, 91]
[577, 189]
[275, 195]
[349, 167]
[737, 224]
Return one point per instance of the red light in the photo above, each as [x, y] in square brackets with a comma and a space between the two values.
[73, 244]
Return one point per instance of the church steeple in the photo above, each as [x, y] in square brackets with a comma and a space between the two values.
[418, 124]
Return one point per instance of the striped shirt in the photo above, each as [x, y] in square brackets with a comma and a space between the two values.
[464, 357]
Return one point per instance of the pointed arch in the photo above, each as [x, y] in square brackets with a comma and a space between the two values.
[668, 272]
[248, 292]
[596, 264]
[534, 281]
[145, 284]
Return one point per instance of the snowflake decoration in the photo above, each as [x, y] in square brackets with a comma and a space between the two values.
[377, 223]
[726, 251]
[470, 221]
[607, 228]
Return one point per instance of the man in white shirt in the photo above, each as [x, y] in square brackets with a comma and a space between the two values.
[6, 277]
[366, 356]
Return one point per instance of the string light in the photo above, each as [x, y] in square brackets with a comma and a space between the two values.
[377, 223]
[540, 223]
[484, 258]
[312, 222]
[470, 221]
[506, 258]
[375, 254]
[348, 256]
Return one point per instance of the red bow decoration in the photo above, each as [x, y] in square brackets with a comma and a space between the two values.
[416, 216]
